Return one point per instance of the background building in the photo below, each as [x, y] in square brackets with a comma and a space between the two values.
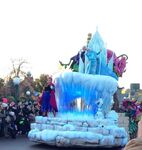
[134, 88]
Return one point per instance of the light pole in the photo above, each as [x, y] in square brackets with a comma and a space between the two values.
[16, 81]
[28, 93]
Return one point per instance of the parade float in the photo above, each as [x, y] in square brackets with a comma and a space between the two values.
[85, 97]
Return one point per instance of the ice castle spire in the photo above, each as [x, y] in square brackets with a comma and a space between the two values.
[96, 43]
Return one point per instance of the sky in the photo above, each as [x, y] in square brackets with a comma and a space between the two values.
[44, 32]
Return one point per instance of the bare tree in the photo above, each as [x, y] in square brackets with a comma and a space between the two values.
[17, 65]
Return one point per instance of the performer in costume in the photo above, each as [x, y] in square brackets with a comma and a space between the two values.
[48, 101]
[82, 59]
[91, 61]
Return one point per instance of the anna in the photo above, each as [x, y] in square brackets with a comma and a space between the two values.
[48, 100]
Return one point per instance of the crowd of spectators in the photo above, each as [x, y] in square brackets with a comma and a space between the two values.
[15, 118]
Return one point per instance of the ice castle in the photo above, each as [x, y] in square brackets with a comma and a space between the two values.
[94, 82]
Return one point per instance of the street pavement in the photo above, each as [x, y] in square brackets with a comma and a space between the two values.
[23, 143]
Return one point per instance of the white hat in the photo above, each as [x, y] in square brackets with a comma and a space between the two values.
[4, 105]
[11, 113]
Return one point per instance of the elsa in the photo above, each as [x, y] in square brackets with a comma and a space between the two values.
[91, 61]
